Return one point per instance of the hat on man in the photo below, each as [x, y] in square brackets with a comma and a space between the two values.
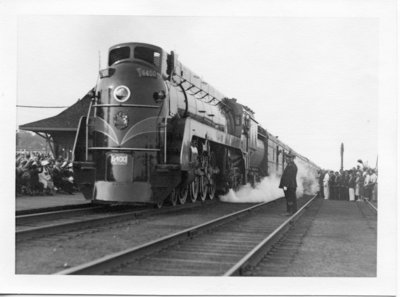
[290, 155]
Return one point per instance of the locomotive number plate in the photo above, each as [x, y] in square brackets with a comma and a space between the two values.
[119, 159]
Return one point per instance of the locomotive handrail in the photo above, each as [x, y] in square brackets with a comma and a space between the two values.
[87, 131]
[123, 148]
[126, 105]
[208, 93]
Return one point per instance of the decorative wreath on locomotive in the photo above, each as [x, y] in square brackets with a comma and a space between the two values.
[155, 131]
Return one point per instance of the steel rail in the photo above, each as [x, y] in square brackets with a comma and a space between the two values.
[52, 208]
[93, 222]
[70, 226]
[258, 252]
[371, 205]
[108, 262]
[57, 214]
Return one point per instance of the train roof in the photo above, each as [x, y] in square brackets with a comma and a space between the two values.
[136, 44]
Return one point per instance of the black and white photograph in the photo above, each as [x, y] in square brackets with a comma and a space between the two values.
[199, 147]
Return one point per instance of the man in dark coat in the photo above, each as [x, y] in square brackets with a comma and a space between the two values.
[288, 184]
[321, 183]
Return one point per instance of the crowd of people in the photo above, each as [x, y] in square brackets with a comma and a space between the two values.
[356, 184]
[40, 174]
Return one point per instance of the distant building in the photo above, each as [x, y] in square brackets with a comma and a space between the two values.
[29, 141]
[59, 131]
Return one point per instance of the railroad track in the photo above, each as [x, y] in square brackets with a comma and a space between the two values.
[43, 215]
[39, 225]
[370, 204]
[227, 246]
[278, 255]
[369, 212]
[53, 208]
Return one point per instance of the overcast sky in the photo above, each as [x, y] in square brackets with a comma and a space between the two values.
[311, 81]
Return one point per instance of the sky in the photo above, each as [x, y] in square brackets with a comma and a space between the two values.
[313, 82]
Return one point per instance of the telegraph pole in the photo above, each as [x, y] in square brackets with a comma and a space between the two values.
[341, 156]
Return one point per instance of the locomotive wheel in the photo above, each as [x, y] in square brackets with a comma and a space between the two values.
[212, 187]
[203, 187]
[194, 189]
[173, 197]
[183, 193]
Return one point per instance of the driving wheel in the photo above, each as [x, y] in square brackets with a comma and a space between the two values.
[183, 193]
[194, 189]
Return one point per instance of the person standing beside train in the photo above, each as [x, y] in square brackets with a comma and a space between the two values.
[361, 181]
[333, 184]
[374, 185]
[367, 187]
[288, 184]
[345, 181]
[352, 185]
[357, 186]
[326, 185]
[320, 177]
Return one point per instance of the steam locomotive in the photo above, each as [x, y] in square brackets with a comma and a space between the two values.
[156, 132]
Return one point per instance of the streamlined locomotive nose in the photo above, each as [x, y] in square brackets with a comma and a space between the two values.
[126, 133]
[128, 83]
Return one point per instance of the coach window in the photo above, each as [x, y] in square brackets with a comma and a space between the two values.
[118, 54]
[147, 54]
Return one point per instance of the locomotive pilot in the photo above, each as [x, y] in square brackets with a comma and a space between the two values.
[288, 184]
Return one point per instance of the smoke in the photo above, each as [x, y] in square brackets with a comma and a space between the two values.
[268, 189]
[307, 181]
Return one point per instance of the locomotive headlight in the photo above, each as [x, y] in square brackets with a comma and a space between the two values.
[159, 96]
[122, 93]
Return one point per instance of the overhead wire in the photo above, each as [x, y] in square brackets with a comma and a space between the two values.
[37, 106]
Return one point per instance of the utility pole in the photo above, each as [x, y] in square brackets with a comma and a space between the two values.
[341, 156]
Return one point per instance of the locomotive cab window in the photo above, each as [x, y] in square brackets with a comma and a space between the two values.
[118, 54]
[147, 54]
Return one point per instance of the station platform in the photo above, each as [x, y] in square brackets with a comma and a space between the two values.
[23, 203]
[341, 241]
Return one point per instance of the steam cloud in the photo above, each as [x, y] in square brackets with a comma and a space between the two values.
[268, 188]
[307, 181]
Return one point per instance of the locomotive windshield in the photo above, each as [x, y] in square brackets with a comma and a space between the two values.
[119, 54]
[147, 54]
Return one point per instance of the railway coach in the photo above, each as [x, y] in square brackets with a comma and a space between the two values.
[155, 131]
